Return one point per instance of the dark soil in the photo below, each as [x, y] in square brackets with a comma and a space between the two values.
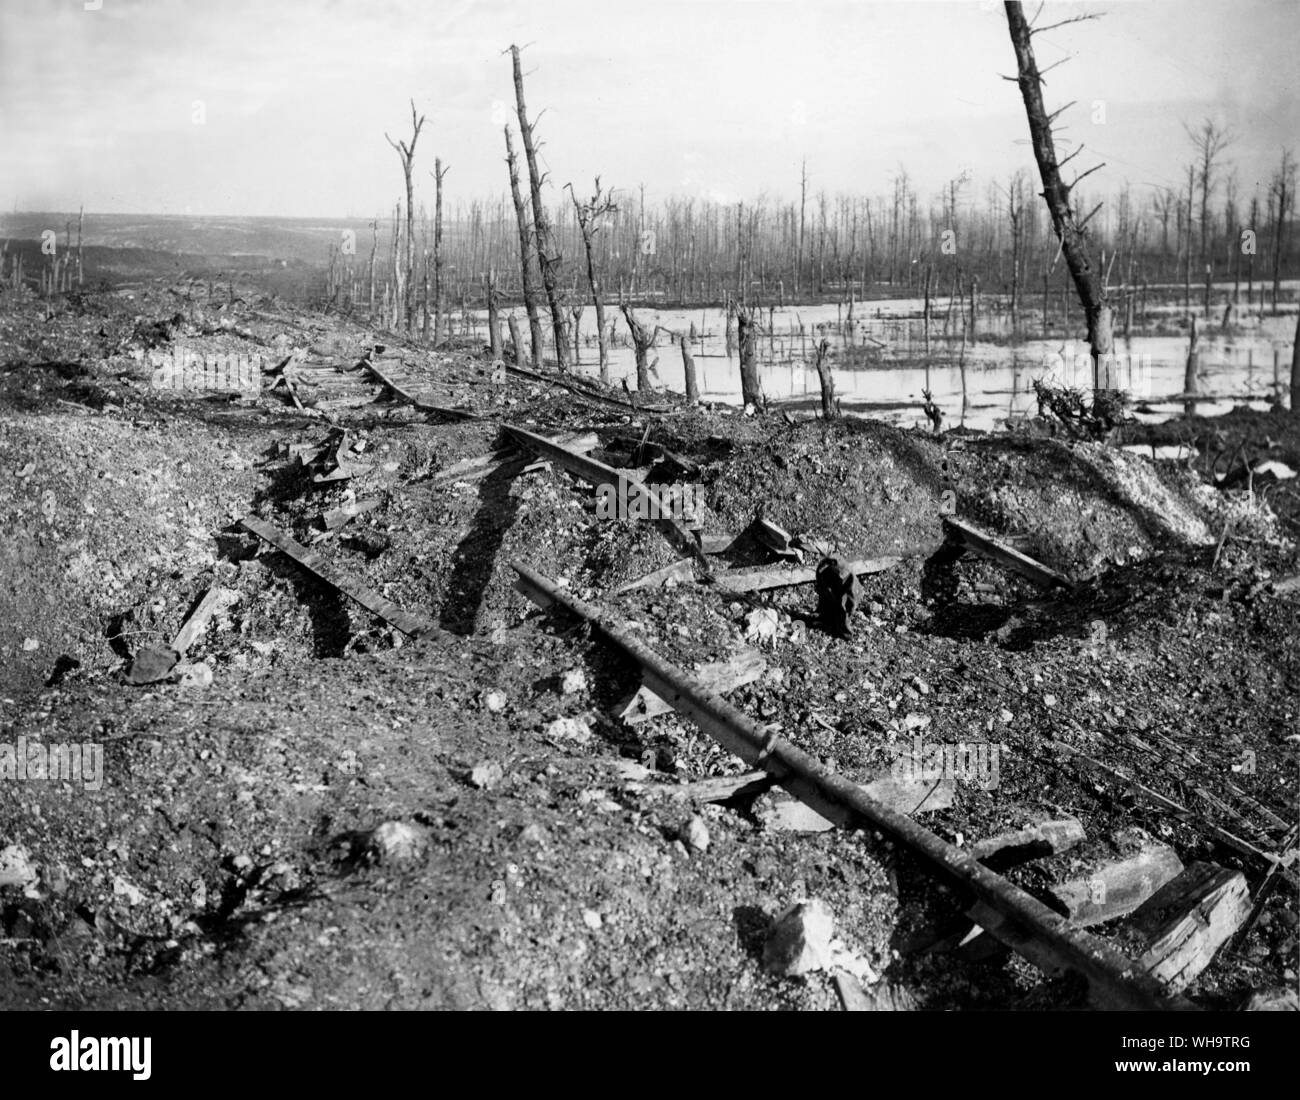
[226, 861]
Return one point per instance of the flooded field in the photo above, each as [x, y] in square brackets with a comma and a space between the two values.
[881, 367]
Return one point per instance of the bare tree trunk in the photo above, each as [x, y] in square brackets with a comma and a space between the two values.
[407, 155]
[688, 368]
[548, 255]
[525, 255]
[1070, 233]
[827, 380]
[374, 249]
[494, 317]
[1189, 373]
[1295, 368]
[438, 172]
[751, 391]
[589, 215]
[642, 340]
[81, 221]
[516, 339]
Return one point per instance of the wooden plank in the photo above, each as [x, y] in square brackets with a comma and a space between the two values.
[335, 518]
[1047, 836]
[425, 406]
[1188, 919]
[721, 789]
[775, 538]
[598, 474]
[1005, 555]
[716, 544]
[682, 569]
[371, 600]
[1109, 972]
[216, 599]
[761, 579]
[744, 667]
[1267, 859]
[1114, 889]
[902, 796]
[481, 465]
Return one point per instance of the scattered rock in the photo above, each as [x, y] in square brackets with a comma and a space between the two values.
[1274, 1000]
[573, 681]
[761, 625]
[16, 867]
[696, 834]
[592, 920]
[486, 775]
[800, 940]
[197, 675]
[495, 701]
[30, 645]
[397, 843]
[569, 729]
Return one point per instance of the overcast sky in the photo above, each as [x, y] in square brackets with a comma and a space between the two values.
[718, 98]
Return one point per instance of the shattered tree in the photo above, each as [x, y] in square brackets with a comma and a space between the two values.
[548, 254]
[526, 283]
[589, 217]
[407, 155]
[1056, 193]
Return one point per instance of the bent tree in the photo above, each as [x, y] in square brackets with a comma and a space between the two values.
[1056, 193]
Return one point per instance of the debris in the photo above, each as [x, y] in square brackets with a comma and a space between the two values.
[682, 569]
[1114, 889]
[800, 940]
[755, 580]
[1273, 1000]
[495, 701]
[16, 868]
[1003, 554]
[761, 624]
[486, 775]
[569, 729]
[198, 675]
[902, 795]
[30, 645]
[838, 595]
[1188, 919]
[573, 681]
[335, 518]
[153, 663]
[743, 667]
[592, 920]
[397, 843]
[1046, 837]
[372, 601]
[696, 834]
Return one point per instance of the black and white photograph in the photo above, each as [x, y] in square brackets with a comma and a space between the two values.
[648, 507]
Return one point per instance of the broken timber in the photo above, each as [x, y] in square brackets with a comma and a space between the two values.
[423, 406]
[470, 469]
[757, 580]
[1004, 555]
[1028, 925]
[598, 474]
[371, 600]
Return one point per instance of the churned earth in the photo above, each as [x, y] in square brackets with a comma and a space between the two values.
[344, 817]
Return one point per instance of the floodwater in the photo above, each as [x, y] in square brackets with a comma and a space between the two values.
[879, 362]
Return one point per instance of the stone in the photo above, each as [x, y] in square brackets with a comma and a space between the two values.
[397, 843]
[800, 940]
[485, 775]
[696, 834]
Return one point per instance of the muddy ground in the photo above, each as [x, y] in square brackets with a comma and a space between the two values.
[229, 858]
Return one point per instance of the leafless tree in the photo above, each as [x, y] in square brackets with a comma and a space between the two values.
[407, 154]
[548, 255]
[590, 215]
[525, 256]
[1069, 228]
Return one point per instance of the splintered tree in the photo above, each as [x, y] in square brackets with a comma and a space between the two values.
[1282, 193]
[407, 154]
[438, 172]
[643, 340]
[590, 214]
[751, 391]
[525, 258]
[1069, 229]
[548, 255]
